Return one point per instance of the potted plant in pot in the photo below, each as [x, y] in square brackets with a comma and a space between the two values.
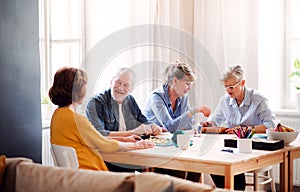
[46, 107]
[295, 77]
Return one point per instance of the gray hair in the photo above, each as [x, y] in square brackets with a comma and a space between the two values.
[128, 71]
[178, 70]
[233, 72]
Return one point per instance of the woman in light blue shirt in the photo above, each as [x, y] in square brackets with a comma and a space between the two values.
[240, 106]
[168, 106]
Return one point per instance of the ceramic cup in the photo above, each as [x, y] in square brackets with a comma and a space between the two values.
[183, 140]
[244, 145]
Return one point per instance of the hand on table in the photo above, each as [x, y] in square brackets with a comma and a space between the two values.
[230, 130]
[143, 129]
[156, 130]
[164, 129]
[131, 138]
[144, 144]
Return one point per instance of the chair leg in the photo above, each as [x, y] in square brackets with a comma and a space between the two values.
[255, 181]
[273, 188]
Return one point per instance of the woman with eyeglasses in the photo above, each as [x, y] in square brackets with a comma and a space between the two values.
[240, 106]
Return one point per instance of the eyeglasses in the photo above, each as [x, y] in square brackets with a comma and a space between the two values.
[231, 87]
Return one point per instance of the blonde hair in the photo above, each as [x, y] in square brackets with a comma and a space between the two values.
[178, 70]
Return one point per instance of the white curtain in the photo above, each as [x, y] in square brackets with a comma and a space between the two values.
[207, 34]
[227, 33]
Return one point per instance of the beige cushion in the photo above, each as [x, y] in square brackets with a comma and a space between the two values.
[153, 182]
[2, 168]
[35, 177]
[126, 185]
[10, 172]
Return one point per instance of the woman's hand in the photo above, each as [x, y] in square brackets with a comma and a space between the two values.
[207, 124]
[230, 130]
[205, 110]
[131, 138]
[143, 144]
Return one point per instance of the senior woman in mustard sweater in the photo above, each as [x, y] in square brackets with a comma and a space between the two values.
[69, 128]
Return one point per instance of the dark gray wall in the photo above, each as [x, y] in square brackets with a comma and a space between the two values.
[20, 114]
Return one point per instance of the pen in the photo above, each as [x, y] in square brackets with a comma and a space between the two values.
[227, 150]
[252, 133]
[248, 132]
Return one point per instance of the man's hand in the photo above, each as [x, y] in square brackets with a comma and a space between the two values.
[143, 129]
[156, 130]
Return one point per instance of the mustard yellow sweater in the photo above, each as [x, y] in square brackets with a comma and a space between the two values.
[72, 129]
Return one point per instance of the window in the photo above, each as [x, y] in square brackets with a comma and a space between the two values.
[61, 38]
[292, 43]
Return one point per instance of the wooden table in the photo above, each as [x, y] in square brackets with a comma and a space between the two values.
[205, 156]
[294, 153]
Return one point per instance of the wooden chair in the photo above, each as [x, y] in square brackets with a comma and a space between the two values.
[64, 156]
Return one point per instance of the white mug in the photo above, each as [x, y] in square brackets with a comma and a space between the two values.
[183, 140]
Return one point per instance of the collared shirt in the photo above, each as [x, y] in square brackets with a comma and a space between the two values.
[103, 112]
[158, 110]
[254, 110]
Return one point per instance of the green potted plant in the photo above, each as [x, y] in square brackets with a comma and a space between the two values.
[46, 107]
[295, 79]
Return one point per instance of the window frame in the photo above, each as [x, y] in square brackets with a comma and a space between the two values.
[46, 43]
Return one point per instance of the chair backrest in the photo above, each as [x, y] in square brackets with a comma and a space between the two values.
[64, 156]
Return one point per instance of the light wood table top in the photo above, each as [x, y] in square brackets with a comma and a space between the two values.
[205, 156]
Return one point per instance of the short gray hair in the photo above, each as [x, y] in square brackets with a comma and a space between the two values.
[233, 72]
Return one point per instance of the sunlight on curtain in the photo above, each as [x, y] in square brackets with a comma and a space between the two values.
[229, 33]
[233, 32]
[271, 72]
[106, 18]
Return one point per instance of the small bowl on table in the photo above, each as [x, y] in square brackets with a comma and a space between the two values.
[288, 137]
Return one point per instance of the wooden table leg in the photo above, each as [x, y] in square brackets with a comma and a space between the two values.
[291, 172]
[229, 180]
[284, 172]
